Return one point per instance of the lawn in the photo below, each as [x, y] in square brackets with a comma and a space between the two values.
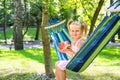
[28, 64]
[29, 35]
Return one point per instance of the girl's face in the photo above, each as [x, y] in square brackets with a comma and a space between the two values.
[75, 32]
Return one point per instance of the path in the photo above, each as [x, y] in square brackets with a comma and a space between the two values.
[38, 44]
[2, 29]
[32, 44]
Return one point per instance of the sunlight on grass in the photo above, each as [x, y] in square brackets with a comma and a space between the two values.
[101, 72]
[106, 66]
[21, 61]
[31, 34]
[108, 54]
[31, 31]
[8, 34]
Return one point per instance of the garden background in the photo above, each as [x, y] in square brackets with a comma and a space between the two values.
[26, 49]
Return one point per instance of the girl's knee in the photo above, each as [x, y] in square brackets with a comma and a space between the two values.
[56, 64]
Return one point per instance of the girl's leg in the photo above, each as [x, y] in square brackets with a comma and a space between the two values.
[60, 74]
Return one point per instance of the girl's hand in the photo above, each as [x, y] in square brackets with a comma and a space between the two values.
[63, 46]
[68, 51]
[66, 48]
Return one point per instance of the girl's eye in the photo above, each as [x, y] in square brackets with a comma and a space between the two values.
[77, 30]
[72, 30]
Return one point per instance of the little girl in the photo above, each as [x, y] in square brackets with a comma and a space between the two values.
[76, 30]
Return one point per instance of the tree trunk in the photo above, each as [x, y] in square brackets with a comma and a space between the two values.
[93, 21]
[5, 21]
[26, 22]
[38, 22]
[75, 11]
[113, 40]
[119, 35]
[111, 1]
[18, 37]
[46, 42]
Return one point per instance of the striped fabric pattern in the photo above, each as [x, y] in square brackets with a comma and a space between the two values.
[58, 37]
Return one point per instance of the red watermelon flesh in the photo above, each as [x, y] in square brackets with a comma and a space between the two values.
[64, 45]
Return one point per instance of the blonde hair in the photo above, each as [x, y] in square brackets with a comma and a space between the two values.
[82, 25]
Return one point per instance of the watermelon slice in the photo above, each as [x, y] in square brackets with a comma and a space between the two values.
[64, 45]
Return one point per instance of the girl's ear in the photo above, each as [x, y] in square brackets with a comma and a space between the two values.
[68, 24]
[84, 28]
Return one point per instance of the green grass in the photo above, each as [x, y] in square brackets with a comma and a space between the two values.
[9, 33]
[29, 35]
[23, 64]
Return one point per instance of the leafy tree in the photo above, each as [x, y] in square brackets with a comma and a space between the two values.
[36, 14]
[5, 20]
[26, 16]
[95, 16]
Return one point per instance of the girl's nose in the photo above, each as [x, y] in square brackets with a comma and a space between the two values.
[76, 32]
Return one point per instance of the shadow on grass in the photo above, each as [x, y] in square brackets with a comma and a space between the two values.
[37, 55]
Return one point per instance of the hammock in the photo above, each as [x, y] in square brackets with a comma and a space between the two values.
[99, 38]
[59, 34]
[95, 43]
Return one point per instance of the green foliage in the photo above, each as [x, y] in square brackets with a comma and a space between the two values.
[56, 8]
[36, 7]
[8, 9]
[52, 8]
[65, 9]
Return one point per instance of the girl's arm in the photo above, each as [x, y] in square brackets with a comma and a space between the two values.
[68, 51]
